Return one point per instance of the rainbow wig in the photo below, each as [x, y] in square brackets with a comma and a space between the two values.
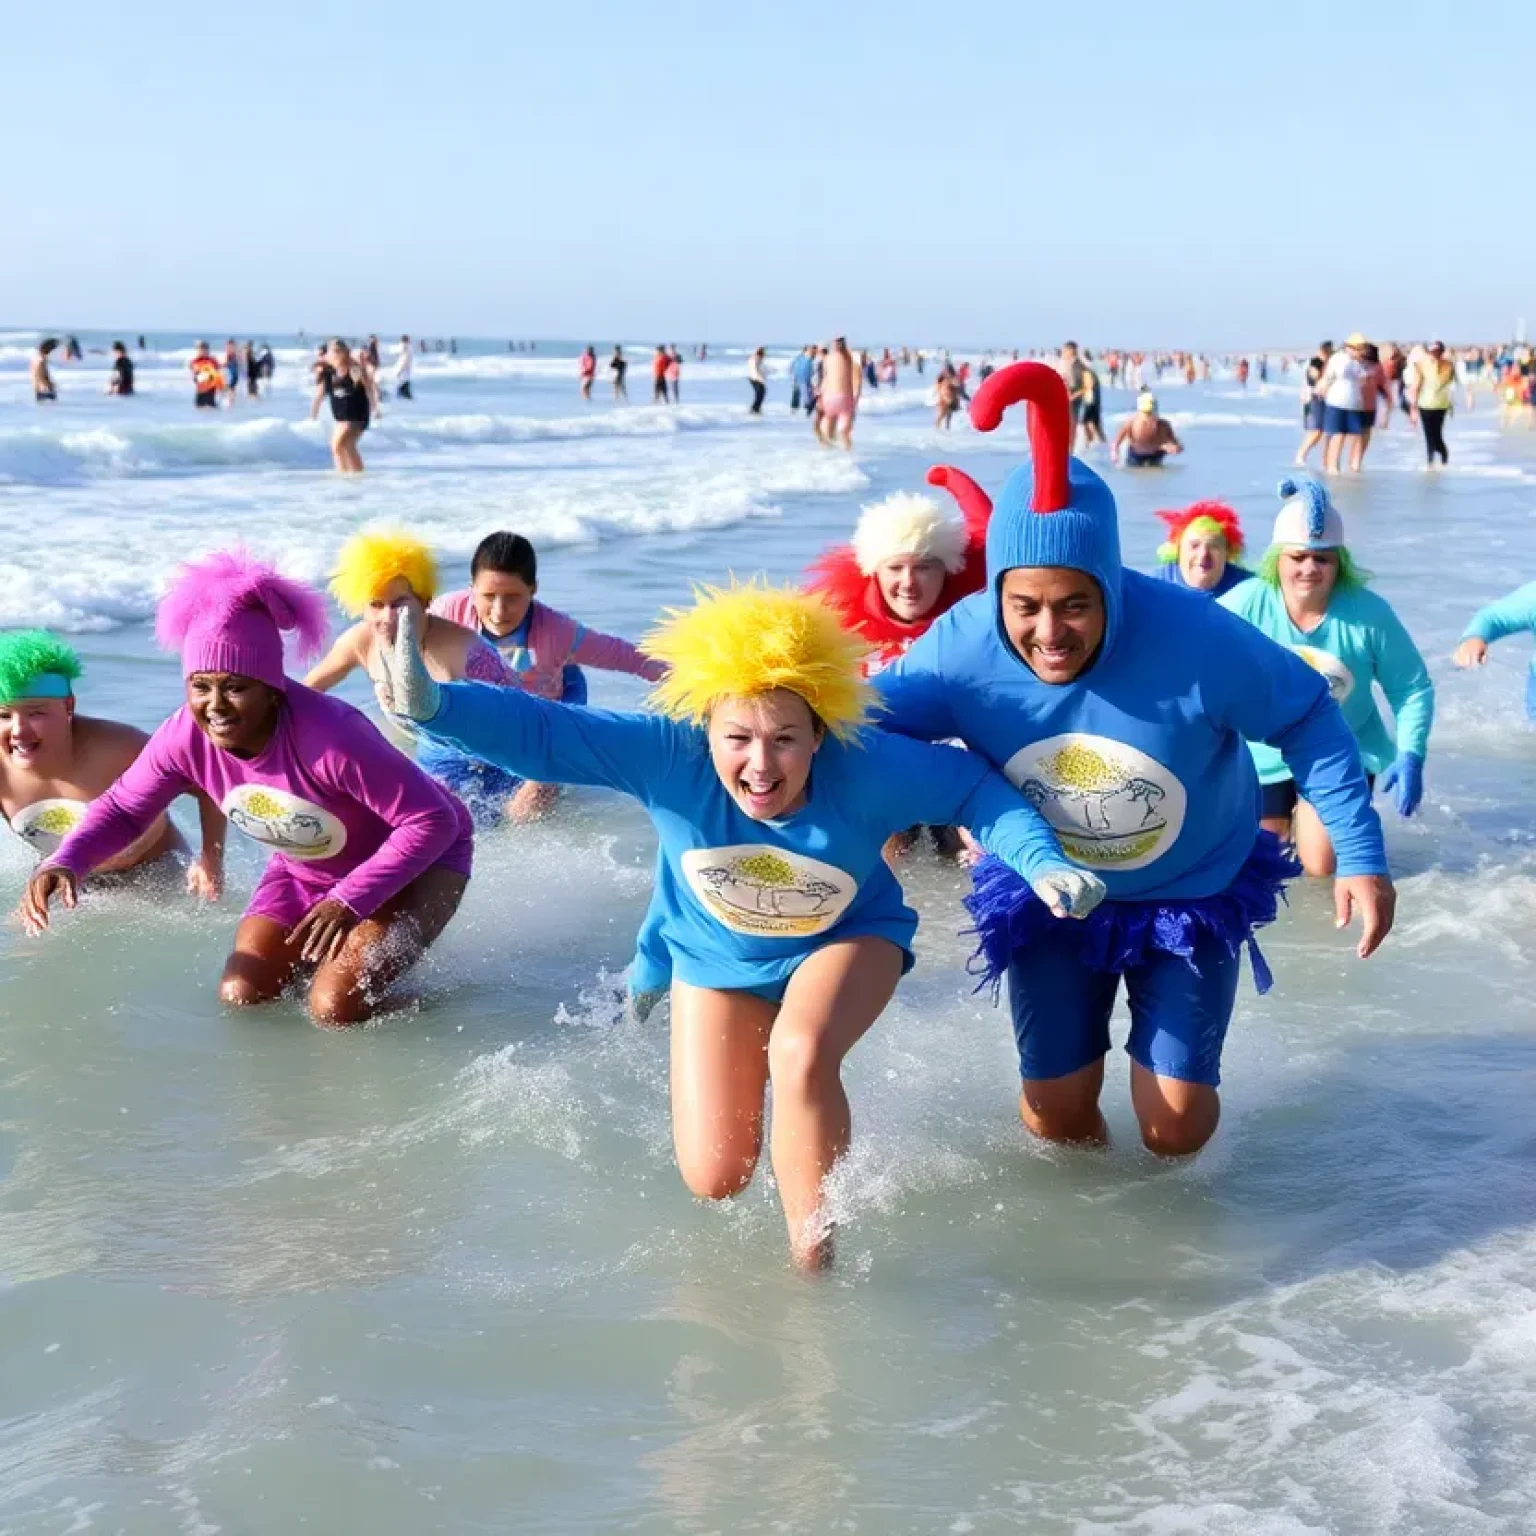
[36, 665]
[370, 560]
[1207, 517]
[1351, 576]
[750, 639]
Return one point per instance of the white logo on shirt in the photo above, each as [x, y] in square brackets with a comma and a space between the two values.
[773, 893]
[1340, 680]
[276, 819]
[1112, 806]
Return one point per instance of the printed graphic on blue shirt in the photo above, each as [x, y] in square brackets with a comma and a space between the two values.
[1112, 806]
[276, 819]
[45, 824]
[769, 892]
[1340, 680]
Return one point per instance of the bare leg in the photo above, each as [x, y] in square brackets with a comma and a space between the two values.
[1313, 437]
[382, 948]
[1066, 1108]
[532, 802]
[719, 1076]
[259, 966]
[833, 998]
[1331, 450]
[1177, 1118]
[1357, 449]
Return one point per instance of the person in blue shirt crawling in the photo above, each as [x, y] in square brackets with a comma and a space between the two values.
[1122, 707]
[1311, 597]
[776, 921]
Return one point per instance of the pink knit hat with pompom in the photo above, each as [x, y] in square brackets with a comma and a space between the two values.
[227, 614]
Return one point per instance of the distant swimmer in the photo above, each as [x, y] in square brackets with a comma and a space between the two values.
[71, 349]
[757, 378]
[370, 351]
[1091, 419]
[838, 403]
[55, 762]
[946, 397]
[543, 651]
[207, 378]
[369, 858]
[252, 366]
[586, 370]
[42, 376]
[618, 367]
[267, 365]
[232, 371]
[1312, 406]
[802, 391]
[675, 374]
[142, 346]
[1343, 390]
[1429, 387]
[778, 929]
[347, 381]
[120, 381]
[1242, 373]
[1146, 438]
[403, 370]
[1514, 614]
[659, 364]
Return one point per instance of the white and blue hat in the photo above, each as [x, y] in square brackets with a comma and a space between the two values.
[1308, 518]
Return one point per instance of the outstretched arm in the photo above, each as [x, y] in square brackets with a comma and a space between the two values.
[341, 659]
[1508, 616]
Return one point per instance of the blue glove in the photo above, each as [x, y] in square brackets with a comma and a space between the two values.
[1406, 776]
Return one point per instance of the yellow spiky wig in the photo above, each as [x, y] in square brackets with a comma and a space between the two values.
[752, 638]
[370, 560]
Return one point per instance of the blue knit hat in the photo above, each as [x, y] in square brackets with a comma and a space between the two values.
[1053, 510]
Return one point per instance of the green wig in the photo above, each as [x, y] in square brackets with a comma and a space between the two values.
[1351, 577]
[35, 665]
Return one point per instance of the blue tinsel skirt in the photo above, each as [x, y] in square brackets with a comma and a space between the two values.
[1118, 935]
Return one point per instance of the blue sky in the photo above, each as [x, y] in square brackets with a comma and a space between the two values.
[1244, 172]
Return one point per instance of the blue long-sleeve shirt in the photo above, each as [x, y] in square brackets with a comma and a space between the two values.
[1141, 764]
[1360, 641]
[741, 902]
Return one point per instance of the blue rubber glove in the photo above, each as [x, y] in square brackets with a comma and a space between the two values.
[1406, 776]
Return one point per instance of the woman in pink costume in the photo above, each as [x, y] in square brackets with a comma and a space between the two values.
[370, 856]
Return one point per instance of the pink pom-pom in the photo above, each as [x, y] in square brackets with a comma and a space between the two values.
[229, 580]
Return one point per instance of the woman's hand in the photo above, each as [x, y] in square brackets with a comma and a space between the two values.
[47, 883]
[406, 690]
[1068, 892]
[1472, 652]
[205, 878]
[321, 933]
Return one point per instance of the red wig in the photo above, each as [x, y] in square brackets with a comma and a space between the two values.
[1217, 512]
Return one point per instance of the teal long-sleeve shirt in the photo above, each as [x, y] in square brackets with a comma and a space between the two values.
[739, 903]
[1508, 616]
[1361, 641]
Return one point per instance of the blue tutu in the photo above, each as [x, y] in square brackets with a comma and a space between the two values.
[1118, 935]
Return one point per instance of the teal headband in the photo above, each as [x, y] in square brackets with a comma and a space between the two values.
[42, 685]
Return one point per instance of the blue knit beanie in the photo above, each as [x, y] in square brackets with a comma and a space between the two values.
[1053, 510]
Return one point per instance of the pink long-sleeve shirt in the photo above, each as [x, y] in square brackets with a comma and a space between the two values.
[554, 638]
[348, 814]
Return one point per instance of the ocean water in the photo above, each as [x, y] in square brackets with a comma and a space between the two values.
[440, 1275]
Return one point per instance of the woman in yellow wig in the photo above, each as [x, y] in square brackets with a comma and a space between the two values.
[779, 927]
[380, 574]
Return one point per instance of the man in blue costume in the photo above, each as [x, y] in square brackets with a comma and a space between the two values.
[1121, 706]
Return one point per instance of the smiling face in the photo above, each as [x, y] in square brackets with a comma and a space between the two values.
[1202, 559]
[1307, 576]
[1054, 618]
[502, 600]
[910, 585]
[762, 749]
[237, 714]
[382, 615]
[35, 733]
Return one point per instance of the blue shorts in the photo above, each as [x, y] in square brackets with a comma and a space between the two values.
[1312, 414]
[1135, 458]
[484, 788]
[1337, 422]
[1179, 1015]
